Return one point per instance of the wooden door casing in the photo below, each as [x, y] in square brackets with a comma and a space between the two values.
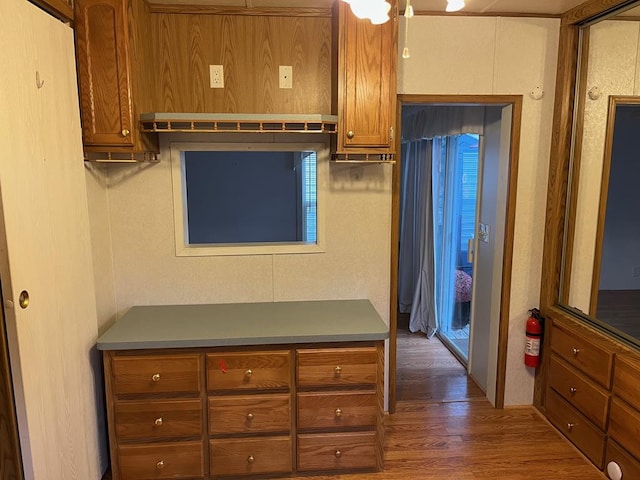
[10, 458]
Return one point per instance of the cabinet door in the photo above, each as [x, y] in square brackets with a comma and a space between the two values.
[367, 84]
[45, 247]
[103, 72]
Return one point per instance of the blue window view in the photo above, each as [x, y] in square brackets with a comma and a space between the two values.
[235, 197]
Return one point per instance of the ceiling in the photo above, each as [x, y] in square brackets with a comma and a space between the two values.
[553, 7]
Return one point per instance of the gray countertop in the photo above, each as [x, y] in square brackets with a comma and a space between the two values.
[181, 326]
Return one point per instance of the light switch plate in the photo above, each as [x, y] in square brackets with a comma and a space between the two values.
[286, 76]
[483, 233]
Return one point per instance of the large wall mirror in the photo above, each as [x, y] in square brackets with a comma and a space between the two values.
[600, 271]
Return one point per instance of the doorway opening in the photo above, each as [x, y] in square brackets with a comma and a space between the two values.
[460, 258]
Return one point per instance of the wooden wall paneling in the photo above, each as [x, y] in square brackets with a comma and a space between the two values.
[143, 73]
[251, 49]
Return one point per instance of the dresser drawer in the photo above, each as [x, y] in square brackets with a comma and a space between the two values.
[250, 414]
[626, 380]
[591, 358]
[153, 419]
[250, 456]
[336, 451]
[630, 466]
[624, 426]
[159, 461]
[337, 367]
[592, 401]
[337, 409]
[249, 371]
[576, 427]
[156, 374]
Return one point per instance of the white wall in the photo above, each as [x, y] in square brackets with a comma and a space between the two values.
[139, 205]
[493, 55]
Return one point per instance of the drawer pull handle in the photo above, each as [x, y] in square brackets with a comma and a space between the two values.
[125, 132]
[573, 390]
[155, 377]
[338, 454]
[158, 421]
[338, 370]
[160, 465]
[570, 426]
[251, 459]
[575, 351]
[351, 134]
[248, 373]
[249, 416]
[338, 412]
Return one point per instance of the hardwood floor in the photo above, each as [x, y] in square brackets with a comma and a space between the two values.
[444, 428]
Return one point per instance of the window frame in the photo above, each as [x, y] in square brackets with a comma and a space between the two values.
[178, 177]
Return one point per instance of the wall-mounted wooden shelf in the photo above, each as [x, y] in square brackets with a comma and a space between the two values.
[363, 158]
[121, 157]
[238, 123]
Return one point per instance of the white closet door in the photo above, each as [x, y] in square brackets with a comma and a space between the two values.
[45, 248]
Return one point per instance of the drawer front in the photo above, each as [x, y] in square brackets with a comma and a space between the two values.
[592, 401]
[158, 461]
[624, 426]
[626, 380]
[630, 466]
[249, 371]
[576, 428]
[158, 419]
[592, 359]
[156, 374]
[250, 414]
[336, 451]
[248, 456]
[337, 409]
[337, 367]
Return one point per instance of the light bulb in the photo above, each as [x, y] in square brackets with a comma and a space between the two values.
[379, 12]
[408, 12]
[454, 5]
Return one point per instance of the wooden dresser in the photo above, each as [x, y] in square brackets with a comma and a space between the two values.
[251, 409]
[592, 396]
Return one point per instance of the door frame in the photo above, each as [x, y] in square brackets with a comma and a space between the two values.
[10, 444]
[505, 295]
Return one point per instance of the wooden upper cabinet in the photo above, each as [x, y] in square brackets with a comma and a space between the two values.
[367, 62]
[102, 46]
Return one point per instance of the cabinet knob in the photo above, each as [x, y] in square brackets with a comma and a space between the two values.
[570, 426]
[338, 370]
[155, 377]
[125, 132]
[251, 459]
[575, 351]
[351, 134]
[338, 412]
[160, 465]
[614, 471]
[248, 373]
[158, 421]
[249, 416]
[337, 453]
[573, 390]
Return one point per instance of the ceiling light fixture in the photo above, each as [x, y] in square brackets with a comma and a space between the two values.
[454, 5]
[377, 11]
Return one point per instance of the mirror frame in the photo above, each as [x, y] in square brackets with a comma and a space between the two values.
[560, 164]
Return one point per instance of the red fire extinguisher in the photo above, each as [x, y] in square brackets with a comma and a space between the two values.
[534, 335]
